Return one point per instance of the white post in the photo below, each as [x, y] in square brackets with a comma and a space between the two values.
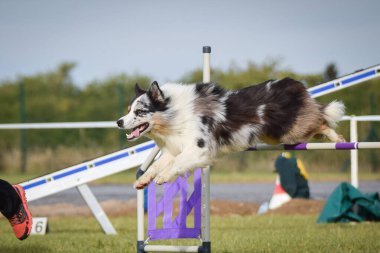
[354, 153]
[170, 248]
[206, 171]
[140, 215]
[140, 201]
[206, 64]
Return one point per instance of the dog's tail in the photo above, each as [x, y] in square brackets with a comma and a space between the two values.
[333, 112]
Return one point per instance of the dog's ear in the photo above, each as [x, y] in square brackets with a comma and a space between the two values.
[155, 93]
[138, 90]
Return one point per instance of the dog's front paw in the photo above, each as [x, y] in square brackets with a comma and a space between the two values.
[160, 180]
[141, 183]
[163, 178]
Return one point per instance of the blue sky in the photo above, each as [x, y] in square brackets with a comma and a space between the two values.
[164, 39]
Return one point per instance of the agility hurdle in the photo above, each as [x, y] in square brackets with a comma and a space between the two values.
[204, 236]
[318, 146]
[352, 146]
[338, 84]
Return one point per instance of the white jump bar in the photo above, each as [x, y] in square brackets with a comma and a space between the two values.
[170, 248]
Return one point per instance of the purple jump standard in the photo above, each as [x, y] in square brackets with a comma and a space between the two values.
[175, 227]
[318, 146]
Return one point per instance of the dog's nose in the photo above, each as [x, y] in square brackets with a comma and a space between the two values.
[120, 123]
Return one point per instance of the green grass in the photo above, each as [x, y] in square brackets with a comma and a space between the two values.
[228, 234]
[128, 177]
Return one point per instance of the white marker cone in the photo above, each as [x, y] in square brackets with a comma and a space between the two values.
[280, 196]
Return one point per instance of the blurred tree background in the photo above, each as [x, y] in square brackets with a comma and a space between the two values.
[53, 97]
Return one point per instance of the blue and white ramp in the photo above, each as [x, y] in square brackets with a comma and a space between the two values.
[88, 171]
[79, 175]
[345, 81]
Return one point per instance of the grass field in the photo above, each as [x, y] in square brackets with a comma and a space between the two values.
[269, 233]
[128, 177]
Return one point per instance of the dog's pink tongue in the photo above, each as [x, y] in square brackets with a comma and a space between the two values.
[136, 133]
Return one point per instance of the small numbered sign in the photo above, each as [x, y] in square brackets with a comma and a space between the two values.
[40, 225]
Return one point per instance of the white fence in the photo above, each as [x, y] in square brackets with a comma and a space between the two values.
[354, 138]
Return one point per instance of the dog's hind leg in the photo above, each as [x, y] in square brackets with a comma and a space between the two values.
[331, 134]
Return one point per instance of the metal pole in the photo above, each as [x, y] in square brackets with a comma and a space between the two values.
[317, 146]
[140, 201]
[140, 221]
[206, 64]
[206, 244]
[170, 248]
[354, 153]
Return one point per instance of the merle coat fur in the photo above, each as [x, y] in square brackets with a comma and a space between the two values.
[192, 124]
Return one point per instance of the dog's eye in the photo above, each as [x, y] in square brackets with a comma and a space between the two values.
[139, 112]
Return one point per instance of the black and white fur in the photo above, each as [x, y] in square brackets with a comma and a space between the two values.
[193, 124]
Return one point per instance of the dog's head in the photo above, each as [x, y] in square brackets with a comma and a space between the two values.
[142, 110]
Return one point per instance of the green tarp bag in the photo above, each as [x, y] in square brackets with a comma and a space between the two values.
[346, 203]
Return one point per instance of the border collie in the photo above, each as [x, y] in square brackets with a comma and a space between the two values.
[193, 124]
